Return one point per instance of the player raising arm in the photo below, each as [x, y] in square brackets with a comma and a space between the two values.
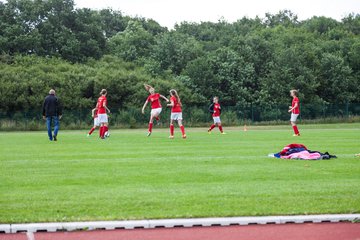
[102, 108]
[156, 108]
[295, 111]
[176, 113]
[215, 108]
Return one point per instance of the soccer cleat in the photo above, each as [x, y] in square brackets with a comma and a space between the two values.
[171, 137]
[223, 133]
[149, 134]
[209, 131]
[184, 136]
[54, 137]
[88, 135]
[296, 135]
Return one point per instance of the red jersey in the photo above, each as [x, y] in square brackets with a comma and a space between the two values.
[100, 104]
[155, 100]
[217, 110]
[177, 106]
[95, 114]
[297, 109]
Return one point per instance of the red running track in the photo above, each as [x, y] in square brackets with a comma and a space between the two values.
[308, 231]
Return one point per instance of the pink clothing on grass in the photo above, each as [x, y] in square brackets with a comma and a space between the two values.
[303, 155]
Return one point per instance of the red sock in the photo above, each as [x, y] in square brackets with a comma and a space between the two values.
[91, 130]
[101, 131]
[220, 128]
[171, 129]
[212, 127]
[157, 118]
[296, 130]
[150, 127]
[182, 128]
[105, 130]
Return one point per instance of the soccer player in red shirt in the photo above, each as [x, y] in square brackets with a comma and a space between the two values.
[216, 110]
[156, 107]
[176, 113]
[96, 121]
[295, 111]
[102, 108]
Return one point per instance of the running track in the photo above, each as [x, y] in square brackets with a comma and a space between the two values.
[308, 231]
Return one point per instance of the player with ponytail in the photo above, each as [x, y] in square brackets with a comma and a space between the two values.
[294, 109]
[102, 109]
[176, 113]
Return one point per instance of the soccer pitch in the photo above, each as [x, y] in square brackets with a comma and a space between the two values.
[131, 176]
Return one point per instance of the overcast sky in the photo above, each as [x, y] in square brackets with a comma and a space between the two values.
[169, 12]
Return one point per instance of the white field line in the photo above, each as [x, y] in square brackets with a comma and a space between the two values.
[30, 236]
[170, 223]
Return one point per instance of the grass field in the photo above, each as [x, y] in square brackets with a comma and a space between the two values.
[130, 176]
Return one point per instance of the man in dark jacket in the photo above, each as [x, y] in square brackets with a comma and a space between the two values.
[52, 112]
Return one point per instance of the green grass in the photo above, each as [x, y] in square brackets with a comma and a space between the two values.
[130, 176]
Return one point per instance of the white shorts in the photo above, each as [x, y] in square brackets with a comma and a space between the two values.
[217, 120]
[96, 122]
[156, 111]
[102, 118]
[294, 117]
[176, 116]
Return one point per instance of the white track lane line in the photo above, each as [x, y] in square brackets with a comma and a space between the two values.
[30, 236]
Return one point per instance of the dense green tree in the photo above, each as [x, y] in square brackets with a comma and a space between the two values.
[222, 73]
[352, 23]
[320, 25]
[284, 18]
[173, 51]
[112, 22]
[50, 28]
[336, 79]
[133, 43]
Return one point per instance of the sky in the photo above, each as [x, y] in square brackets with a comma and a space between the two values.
[169, 12]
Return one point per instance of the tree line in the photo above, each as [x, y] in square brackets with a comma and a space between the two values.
[253, 61]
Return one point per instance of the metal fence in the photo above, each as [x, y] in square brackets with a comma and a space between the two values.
[193, 116]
